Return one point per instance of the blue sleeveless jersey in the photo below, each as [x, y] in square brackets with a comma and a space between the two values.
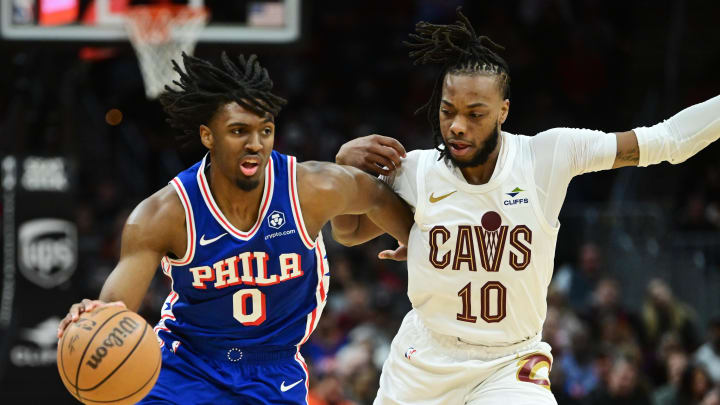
[260, 289]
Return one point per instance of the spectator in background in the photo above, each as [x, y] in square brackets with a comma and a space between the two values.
[561, 322]
[708, 355]
[676, 363]
[577, 282]
[328, 390]
[580, 374]
[624, 386]
[662, 313]
[712, 397]
[696, 216]
[607, 318]
[695, 384]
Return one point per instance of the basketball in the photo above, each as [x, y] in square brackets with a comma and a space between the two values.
[109, 356]
[491, 221]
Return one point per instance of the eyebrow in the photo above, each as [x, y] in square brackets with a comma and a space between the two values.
[242, 124]
[473, 105]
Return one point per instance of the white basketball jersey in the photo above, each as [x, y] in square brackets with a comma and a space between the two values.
[480, 257]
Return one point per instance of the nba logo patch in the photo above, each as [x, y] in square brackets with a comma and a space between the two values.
[276, 219]
[409, 353]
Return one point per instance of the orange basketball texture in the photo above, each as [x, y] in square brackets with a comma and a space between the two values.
[109, 356]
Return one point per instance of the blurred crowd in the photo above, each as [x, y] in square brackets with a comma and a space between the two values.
[573, 64]
[608, 353]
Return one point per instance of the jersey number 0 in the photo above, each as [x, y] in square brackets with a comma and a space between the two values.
[247, 317]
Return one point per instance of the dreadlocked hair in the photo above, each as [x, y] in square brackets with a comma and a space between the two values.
[459, 50]
[203, 88]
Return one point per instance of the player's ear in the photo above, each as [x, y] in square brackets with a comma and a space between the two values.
[504, 110]
[206, 136]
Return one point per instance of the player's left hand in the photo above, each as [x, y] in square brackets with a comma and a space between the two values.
[374, 154]
[399, 254]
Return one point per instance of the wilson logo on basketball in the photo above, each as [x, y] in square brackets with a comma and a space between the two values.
[109, 356]
[116, 337]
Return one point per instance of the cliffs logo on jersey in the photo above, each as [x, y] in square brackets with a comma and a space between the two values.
[486, 242]
[226, 272]
[513, 200]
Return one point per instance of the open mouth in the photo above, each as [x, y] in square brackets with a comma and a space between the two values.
[249, 167]
[459, 148]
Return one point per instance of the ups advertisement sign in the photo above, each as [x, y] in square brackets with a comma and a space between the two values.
[39, 261]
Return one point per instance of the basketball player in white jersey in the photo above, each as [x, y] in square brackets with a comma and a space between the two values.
[486, 204]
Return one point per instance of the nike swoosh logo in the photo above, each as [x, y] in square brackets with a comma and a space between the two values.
[434, 199]
[204, 241]
[284, 387]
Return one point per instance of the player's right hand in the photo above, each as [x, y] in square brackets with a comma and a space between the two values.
[399, 254]
[85, 305]
[374, 154]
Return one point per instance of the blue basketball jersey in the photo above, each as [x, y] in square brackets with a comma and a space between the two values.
[253, 290]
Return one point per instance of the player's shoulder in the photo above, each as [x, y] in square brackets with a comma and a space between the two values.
[162, 209]
[416, 155]
[414, 159]
[313, 170]
[321, 177]
[557, 133]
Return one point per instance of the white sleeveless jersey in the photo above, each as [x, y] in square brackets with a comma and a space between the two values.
[480, 257]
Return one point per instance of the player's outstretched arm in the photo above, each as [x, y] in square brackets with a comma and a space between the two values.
[674, 140]
[328, 190]
[155, 227]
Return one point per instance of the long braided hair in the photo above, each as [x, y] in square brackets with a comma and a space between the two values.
[459, 50]
[205, 87]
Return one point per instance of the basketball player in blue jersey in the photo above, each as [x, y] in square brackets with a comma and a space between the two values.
[486, 205]
[238, 234]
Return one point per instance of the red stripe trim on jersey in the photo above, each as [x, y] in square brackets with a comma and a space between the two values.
[189, 218]
[171, 299]
[297, 214]
[165, 266]
[320, 295]
[320, 255]
[309, 328]
[299, 359]
[220, 217]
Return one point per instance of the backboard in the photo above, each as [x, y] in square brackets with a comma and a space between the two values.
[234, 21]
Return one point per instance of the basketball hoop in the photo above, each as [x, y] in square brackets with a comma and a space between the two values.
[160, 33]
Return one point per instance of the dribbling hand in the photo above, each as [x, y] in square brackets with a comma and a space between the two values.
[374, 154]
[85, 305]
[399, 254]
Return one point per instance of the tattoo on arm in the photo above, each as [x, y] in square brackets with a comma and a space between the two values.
[631, 155]
[628, 151]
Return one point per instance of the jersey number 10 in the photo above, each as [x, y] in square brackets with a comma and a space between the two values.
[487, 313]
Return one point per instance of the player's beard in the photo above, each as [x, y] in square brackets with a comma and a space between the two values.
[482, 155]
[247, 184]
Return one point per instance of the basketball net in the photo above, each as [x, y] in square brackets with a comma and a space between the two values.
[159, 34]
[491, 241]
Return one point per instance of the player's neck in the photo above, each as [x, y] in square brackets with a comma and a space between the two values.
[481, 174]
[240, 207]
